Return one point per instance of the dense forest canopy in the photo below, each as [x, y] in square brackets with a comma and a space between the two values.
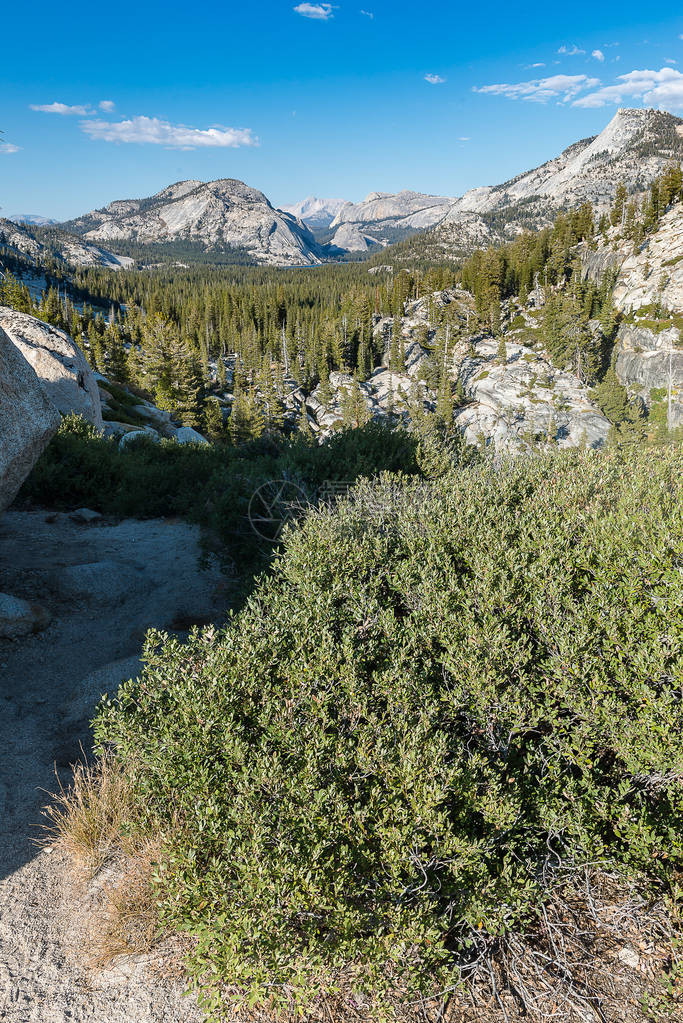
[176, 331]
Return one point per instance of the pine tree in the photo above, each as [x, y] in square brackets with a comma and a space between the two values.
[213, 420]
[444, 402]
[117, 361]
[625, 415]
[355, 411]
[617, 211]
[189, 390]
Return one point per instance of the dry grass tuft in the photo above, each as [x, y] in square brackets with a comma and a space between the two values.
[126, 923]
[112, 869]
[87, 820]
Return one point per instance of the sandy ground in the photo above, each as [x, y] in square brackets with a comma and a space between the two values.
[146, 574]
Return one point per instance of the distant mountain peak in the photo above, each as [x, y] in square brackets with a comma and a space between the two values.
[30, 218]
[214, 215]
[317, 213]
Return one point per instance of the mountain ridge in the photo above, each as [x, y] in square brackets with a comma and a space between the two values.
[634, 146]
[221, 214]
[228, 215]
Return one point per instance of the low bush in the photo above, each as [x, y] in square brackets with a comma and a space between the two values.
[446, 695]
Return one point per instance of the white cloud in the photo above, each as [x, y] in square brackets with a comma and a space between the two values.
[670, 60]
[434, 79]
[571, 51]
[599, 55]
[368, 14]
[538, 63]
[464, 138]
[162, 133]
[540, 90]
[59, 108]
[320, 12]
[9, 147]
[107, 105]
[663, 89]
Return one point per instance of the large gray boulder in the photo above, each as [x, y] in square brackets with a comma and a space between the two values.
[186, 435]
[59, 363]
[28, 419]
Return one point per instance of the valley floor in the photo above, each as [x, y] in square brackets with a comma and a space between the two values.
[141, 574]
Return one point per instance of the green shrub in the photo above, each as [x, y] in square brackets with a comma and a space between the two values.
[209, 484]
[445, 693]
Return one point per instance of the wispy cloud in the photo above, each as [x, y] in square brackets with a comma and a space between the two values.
[368, 14]
[434, 79]
[662, 89]
[571, 51]
[107, 105]
[319, 12]
[9, 147]
[540, 90]
[464, 138]
[59, 108]
[599, 55]
[152, 131]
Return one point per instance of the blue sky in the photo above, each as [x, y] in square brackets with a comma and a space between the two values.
[300, 98]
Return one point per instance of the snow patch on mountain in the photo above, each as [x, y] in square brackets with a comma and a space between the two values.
[317, 213]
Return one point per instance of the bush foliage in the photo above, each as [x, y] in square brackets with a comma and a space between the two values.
[445, 692]
[213, 484]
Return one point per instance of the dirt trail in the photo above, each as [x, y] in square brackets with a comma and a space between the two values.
[145, 574]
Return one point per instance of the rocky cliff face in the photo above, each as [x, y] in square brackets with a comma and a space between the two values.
[649, 364]
[512, 405]
[524, 400]
[648, 290]
[652, 275]
[382, 217]
[59, 245]
[218, 215]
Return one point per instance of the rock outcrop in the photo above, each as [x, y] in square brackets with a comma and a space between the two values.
[514, 406]
[523, 401]
[648, 290]
[219, 215]
[41, 246]
[28, 419]
[58, 362]
[653, 276]
[350, 238]
[648, 363]
[20, 617]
